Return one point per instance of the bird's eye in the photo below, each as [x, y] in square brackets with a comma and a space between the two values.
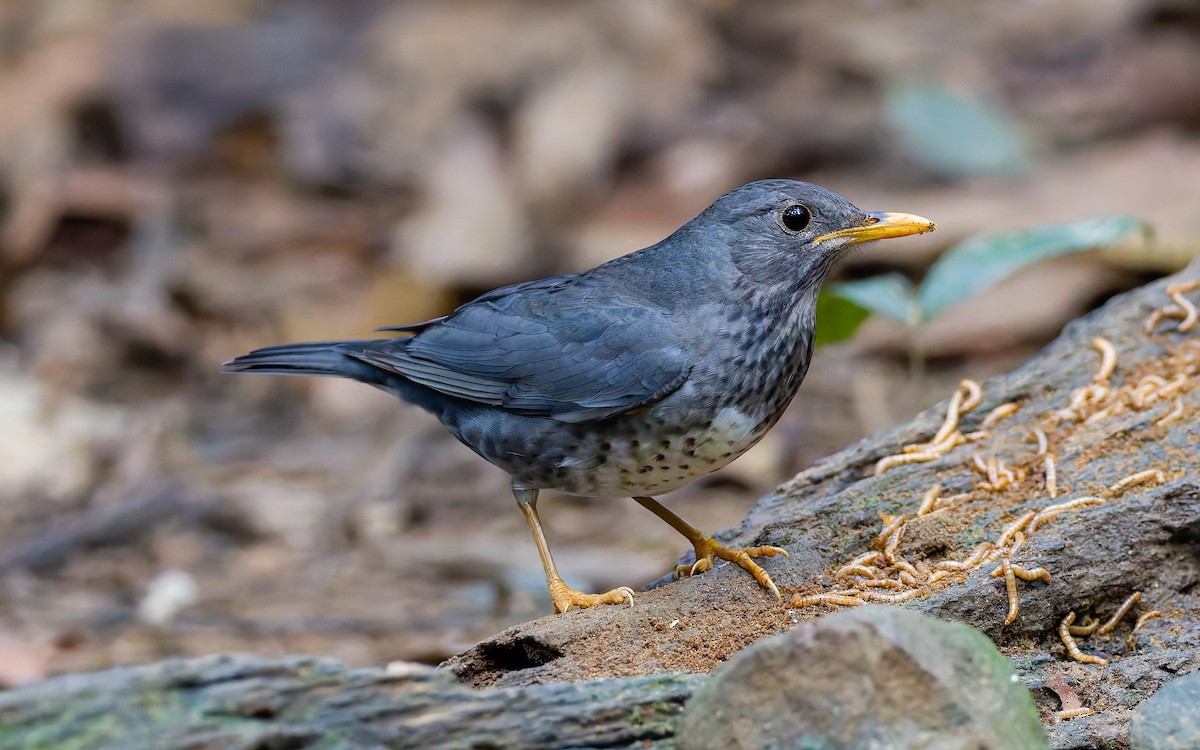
[795, 217]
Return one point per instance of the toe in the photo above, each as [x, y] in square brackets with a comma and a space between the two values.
[566, 598]
[744, 558]
[766, 552]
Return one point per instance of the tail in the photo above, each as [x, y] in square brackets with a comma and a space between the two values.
[321, 358]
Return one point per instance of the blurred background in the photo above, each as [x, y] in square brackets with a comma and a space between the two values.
[181, 182]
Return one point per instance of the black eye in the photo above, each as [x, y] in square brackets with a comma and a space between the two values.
[796, 217]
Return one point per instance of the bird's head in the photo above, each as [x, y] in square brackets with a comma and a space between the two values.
[790, 233]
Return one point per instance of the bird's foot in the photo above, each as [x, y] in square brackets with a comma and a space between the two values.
[565, 597]
[708, 548]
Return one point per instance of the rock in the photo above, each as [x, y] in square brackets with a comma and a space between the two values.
[242, 702]
[865, 677]
[1171, 719]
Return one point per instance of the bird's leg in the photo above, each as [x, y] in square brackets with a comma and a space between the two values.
[708, 548]
[564, 596]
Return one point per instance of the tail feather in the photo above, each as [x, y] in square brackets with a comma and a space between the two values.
[321, 358]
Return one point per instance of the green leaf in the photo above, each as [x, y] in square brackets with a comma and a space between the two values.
[837, 318]
[953, 134]
[890, 294]
[982, 260]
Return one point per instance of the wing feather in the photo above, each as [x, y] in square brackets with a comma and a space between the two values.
[565, 347]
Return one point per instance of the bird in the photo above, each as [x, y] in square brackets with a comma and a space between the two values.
[631, 379]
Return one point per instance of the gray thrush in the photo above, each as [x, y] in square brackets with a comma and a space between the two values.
[634, 378]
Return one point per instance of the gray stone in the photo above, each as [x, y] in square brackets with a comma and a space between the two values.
[1170, 720]
[865, 678]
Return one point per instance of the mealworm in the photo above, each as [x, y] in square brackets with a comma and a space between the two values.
[889, 583]
[1040, 435]
[893, 542]
[1051, 511]
[1086, 629]
[1145, 617]
[1072, 713]
[1119, 615]
[931, 496]
[887, 462]
[950, 422]
[1051, 477]
[974, 394]
[865, 571]
[1147, 387]
[1112, 410]
[1064, 634]
[891, 523]
[970, 562]
[1018, 543]
[1025, 574]
[1014, 527]
[903, 596]
[999, 475]
[1172, 386]
[1010, 583]
[1175, 292]
[955, 438]
[844, 600]
[1108, 359]
[951, 501]
[865, 558]
[1158, 315]
[907, 567]
[908, 579]
[1172, 415]
[1081, 397]
[1142, 477]
[937, 575]
[1000, 412]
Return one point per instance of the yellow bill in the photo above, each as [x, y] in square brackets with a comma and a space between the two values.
[881, 226]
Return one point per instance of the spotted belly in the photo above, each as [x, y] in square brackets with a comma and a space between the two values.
[646, 458]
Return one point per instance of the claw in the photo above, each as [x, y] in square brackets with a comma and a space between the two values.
[701, 565]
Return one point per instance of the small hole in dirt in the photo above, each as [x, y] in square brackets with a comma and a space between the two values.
[262, 712]
[301, 740]
[513, 656]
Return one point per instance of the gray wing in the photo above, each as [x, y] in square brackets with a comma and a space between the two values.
[562, 347]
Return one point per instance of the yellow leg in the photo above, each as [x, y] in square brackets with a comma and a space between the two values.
[707, 548]
[564, 596]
